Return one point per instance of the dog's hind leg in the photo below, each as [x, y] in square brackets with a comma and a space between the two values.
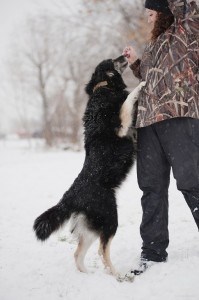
[100, 250]
[84, 244]
[104, 250]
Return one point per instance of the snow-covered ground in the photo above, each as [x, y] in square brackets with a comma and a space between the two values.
[32, 180]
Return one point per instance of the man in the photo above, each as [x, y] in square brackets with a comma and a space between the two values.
[167, 120]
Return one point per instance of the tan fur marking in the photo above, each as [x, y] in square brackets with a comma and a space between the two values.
[106, 257]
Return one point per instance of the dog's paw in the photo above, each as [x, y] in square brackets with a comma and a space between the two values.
[122, 131]
[127, 277]
[120, 277]
[143, 83]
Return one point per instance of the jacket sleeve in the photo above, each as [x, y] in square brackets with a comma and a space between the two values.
[188, 12]
[135, 67]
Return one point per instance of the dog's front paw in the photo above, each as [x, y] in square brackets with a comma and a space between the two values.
[122, 131]
[142, 83]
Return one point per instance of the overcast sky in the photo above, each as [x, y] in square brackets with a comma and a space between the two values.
[12, 14]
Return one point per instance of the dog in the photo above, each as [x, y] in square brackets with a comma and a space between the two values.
[90, 202]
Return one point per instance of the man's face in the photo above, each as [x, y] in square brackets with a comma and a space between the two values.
[151, 15]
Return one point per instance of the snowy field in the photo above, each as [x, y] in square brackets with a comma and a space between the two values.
[32, 180]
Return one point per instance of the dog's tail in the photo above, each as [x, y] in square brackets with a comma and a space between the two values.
[52, 219]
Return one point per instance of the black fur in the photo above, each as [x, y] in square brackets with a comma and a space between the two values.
[108, 160]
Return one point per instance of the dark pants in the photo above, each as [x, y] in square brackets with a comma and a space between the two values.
[173, 143]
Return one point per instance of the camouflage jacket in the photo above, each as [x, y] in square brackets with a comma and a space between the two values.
[170, 67]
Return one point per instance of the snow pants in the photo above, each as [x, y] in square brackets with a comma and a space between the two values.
[172, 143]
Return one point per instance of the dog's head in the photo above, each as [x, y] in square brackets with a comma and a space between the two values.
[108, 73]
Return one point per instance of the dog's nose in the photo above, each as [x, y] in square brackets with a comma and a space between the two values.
[120, 59]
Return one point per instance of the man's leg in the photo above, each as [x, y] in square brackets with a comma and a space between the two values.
[153, 172]
[180, 139]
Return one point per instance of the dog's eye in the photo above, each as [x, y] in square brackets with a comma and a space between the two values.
[110, 74]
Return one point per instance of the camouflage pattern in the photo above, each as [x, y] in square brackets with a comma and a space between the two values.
[170, 66]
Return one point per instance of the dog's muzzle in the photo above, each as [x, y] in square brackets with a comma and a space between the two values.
[120, 64]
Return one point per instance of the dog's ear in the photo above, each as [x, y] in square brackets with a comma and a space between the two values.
[89, 87]
[91, 84]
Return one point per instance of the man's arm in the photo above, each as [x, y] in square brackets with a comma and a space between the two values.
[135, 67]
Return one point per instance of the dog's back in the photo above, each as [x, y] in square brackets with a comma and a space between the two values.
[106, 153]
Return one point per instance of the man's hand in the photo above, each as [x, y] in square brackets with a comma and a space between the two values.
[130, 53]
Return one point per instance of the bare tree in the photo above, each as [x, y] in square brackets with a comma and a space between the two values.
[56, 55]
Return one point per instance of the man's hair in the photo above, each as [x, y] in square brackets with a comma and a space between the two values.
[162, 23]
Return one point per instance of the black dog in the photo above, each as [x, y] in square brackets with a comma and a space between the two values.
[90, 202]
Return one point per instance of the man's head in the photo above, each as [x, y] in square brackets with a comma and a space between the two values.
[158, 6]
[156, 9]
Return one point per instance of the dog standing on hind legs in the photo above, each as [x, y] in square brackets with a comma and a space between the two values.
[90, 202]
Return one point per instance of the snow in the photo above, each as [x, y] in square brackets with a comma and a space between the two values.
[32, 180]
